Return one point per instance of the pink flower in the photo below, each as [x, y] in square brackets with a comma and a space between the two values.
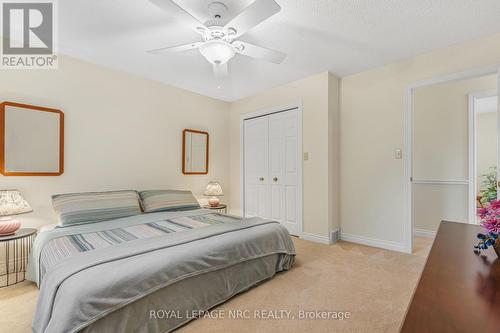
[490, 217]
[482, 212]
[495, 204]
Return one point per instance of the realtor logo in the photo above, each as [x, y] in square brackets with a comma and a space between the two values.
[28, 32]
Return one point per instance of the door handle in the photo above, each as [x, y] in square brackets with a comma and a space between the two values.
[261, 179]
[275, 179]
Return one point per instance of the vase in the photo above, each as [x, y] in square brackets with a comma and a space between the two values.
[496, 246]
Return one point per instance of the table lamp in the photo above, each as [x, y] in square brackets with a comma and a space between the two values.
[11, 203]
[213, 191]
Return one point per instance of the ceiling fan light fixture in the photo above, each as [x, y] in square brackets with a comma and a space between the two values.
[217, 52]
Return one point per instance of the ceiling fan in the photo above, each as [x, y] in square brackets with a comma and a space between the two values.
[220, 42]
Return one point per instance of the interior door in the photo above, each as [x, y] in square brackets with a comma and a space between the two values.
[256, 155]
[276, 166]
[283, 169]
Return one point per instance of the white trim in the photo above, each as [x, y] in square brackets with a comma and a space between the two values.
[335, 236]
[483, 94]
[440, 182]
[468, 74]
[472, 113]
[265, 112]
[408, 138]
[407, 162]
[384, 244]
[242, 167]
[424, 233]
[300, 183]
[498, 127]
[472, 158]
[316, 238]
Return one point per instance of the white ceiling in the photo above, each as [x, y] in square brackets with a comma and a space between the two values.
[342, 36]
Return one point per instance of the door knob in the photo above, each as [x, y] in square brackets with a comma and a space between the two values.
[261, 179]
[275, 179]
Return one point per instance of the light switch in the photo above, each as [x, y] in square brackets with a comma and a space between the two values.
[398, 154]
[306, 156]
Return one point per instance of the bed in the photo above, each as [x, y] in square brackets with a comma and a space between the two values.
[115, 275]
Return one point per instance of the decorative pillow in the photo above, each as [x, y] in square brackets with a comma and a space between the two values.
[167, 200]
[90, 207]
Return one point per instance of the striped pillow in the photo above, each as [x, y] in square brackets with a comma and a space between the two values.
[90, 207]
[167, 200]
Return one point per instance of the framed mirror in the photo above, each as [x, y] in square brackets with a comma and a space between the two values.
[194, 152]
[31, 140]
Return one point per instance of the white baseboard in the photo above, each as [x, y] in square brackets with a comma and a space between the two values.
[316, 238]
[384, 244]
[334, 237]
[424, 233]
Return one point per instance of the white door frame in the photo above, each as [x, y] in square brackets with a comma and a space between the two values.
[261, 113]
[473, 149]
[408, 140]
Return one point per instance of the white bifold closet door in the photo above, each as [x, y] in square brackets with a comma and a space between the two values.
[271, 168]
[256, 157]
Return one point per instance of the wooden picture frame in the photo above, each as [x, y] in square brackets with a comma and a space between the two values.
[3, 162]
[184, 164]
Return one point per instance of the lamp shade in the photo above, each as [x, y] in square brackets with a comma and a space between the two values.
[12, 203]
[213, 189]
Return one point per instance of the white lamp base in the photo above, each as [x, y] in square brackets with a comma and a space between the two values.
[213, 202]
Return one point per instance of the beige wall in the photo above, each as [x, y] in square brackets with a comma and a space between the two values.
[319, 113]
[486, 144]
[440, 128]
[122, 132]
[440, 149]
[433, 203]
[372, 110]
[334, 151]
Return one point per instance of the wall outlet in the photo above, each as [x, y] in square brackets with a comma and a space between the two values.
[398, 154]
[306, 156]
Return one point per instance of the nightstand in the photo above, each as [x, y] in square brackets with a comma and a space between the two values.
[221, 208]
[16, 248]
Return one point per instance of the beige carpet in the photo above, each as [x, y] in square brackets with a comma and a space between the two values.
[374, 285]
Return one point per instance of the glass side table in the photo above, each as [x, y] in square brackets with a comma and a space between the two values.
[16, 249]
[221, 208]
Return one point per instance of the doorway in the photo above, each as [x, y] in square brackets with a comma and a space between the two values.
[441, 157]
[484, 133]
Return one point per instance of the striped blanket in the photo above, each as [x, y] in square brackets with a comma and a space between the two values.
[66, 246]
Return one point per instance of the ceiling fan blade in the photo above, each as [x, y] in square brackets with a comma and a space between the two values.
[254, 14]
[221, 71]
[178, 48]
[176, 10]
[259, 52]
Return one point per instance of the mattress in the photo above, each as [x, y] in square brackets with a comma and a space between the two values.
[100, 276]
[60, 248]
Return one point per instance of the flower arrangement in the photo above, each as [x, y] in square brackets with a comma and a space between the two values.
[489, 186]
[490, 221]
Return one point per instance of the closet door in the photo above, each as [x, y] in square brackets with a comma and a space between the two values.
[276, 166]
[283, 169]
[256, 159]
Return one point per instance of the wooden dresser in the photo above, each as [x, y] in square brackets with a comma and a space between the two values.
[458, 290]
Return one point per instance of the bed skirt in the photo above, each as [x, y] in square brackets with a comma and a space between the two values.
[160, 312]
